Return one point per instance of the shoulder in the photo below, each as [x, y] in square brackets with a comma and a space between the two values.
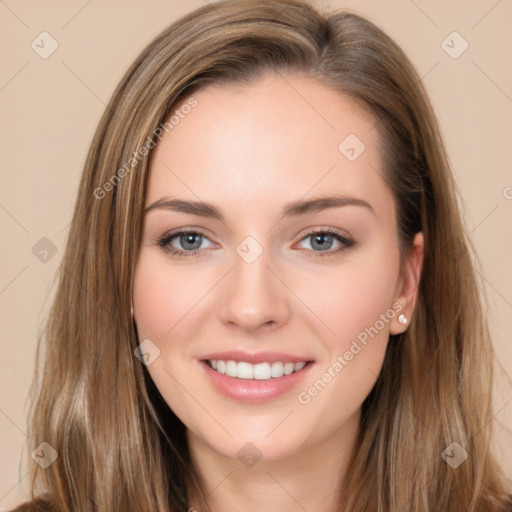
[37, 505]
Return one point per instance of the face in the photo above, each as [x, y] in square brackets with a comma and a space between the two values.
[262, 273]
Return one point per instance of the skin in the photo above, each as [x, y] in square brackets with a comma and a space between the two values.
[250, 152]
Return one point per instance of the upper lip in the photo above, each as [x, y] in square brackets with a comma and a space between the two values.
[255, 358]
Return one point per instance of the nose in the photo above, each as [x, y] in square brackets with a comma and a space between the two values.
[254, 297]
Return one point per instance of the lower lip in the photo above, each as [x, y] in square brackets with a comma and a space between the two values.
[252, 390]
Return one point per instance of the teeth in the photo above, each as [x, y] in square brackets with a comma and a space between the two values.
[288, 368]
[277, 370]
[260, 371]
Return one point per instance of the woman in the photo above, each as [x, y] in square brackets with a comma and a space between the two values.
[321, 345]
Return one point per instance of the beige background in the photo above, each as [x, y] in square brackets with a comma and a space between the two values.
[50, 108]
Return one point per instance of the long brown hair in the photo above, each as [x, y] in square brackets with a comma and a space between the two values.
[119, 445]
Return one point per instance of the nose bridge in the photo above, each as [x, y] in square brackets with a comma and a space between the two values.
[253, 295]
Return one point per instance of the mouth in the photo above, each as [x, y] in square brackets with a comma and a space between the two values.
[260, 371]
[257, 382]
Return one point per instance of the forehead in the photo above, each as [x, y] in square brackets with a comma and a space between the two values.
[282, 136]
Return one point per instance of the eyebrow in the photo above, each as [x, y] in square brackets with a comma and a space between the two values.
[293, 209]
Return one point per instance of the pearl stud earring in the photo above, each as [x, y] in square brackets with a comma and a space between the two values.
[402, 319]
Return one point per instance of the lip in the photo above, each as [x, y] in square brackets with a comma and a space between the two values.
[255, 358]
[254, 391]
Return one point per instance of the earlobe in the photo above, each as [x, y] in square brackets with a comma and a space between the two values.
[408, 287]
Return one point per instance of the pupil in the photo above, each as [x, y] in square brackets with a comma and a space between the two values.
[321, 240]
[189, 239]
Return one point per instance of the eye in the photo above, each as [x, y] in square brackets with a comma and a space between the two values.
[323, 240]
[190, 241]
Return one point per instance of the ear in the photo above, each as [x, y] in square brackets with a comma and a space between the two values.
[407, 289]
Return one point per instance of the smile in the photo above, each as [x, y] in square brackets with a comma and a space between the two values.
[260, 371]
[255, 383]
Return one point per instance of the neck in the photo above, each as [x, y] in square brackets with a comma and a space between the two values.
[309, 479]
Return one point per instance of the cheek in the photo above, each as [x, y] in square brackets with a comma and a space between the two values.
[354, 302]
[162, 296]
[350, 298]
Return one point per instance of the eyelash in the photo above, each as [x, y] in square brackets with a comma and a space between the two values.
[165, 240]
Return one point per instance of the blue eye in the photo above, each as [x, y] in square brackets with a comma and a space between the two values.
[191, 241]
[187, 239]
[323, 240]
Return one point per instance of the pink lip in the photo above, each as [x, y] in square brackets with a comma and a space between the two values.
[254, 391]
[260, 357]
